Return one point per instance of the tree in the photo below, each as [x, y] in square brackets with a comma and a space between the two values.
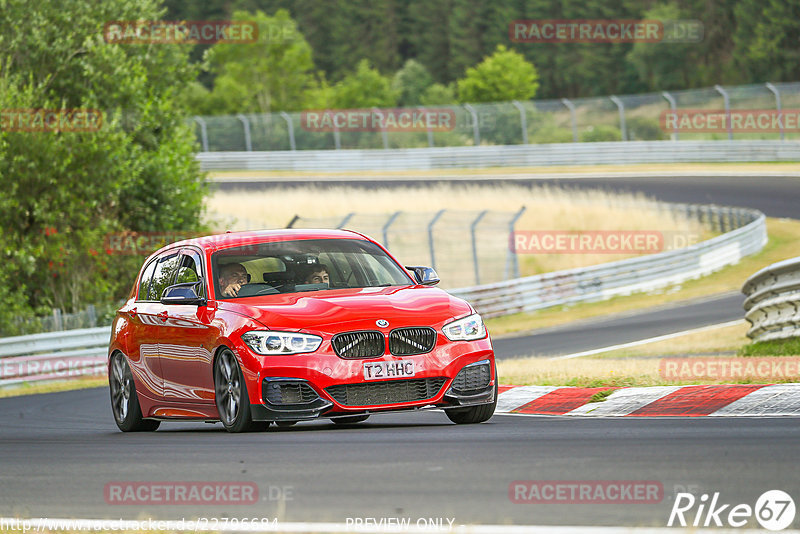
[438, 94]
[65, 191]
[503, 76]
[766, 40]
[662, 65]
[274, 73]
[365, 88]
[410, 83]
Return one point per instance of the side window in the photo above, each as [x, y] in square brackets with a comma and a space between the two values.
[144, 284]
[190, 269]
[164, 275]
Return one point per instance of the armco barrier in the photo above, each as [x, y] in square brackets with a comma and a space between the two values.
[623, 277]
[773, 301]
[73, 353]
[54, 355]
[503, 156]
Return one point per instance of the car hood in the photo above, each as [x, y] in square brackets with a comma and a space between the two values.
[349, 309]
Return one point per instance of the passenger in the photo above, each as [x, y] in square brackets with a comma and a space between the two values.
[231, 279]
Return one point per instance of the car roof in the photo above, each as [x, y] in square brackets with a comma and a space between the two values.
[232, 239]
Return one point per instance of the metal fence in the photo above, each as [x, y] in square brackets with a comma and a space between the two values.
[618, 153]
[624, 277]
[613, 118]
[54, 355]
[465, 247]
[773, 301]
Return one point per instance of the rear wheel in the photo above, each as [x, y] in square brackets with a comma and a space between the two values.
[474, 414]
[233, 403]
[351, 419]
[124, 401]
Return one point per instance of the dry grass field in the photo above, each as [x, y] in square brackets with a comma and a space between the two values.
[547, 208]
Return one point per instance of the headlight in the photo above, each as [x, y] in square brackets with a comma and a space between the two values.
[268, 342]
[465, 329]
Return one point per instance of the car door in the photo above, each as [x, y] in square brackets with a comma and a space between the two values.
[143, 342]
[186, 339]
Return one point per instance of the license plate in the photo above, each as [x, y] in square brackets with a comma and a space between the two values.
[382, 370]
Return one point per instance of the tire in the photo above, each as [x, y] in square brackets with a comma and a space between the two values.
[230, 395]
[474, 414]
[351, 419]
[124, 400]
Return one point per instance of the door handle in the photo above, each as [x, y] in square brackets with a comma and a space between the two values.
[163, 315]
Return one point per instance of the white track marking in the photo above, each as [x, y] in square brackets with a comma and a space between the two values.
[517, 396]
[648, 340]
[624, 401]
[778, 399]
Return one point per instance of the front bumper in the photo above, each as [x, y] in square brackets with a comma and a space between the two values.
[296, 399]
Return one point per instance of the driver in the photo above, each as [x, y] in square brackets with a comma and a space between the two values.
[318, 275]
[231, 279]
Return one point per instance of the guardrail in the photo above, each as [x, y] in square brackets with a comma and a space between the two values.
[54, 355]
[503, 156]
[773, 301]
[74, 353]
[624, 277]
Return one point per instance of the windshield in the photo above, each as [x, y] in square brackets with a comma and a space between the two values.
[301, 266]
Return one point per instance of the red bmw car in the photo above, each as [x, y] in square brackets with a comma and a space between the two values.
[289, 325]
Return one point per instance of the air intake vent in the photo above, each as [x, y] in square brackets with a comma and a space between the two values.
[408, 341]
[472, 378]
[279, 393]
[386, 392]
[354, 345]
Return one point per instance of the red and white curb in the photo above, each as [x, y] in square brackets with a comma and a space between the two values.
[677, 401]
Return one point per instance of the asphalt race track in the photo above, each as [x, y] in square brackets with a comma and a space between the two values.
[59, 451]
[629, 326]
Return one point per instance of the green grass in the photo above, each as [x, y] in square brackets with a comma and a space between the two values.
[778, 347]
[601, 396]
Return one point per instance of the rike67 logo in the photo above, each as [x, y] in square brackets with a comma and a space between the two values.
[774, 510]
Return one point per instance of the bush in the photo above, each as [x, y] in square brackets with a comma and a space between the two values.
[595, 134]
[644, 129]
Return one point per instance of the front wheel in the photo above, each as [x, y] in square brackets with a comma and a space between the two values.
[124, 401]
[474, 414]
[233, 403]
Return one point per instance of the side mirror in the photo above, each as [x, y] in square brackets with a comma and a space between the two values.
[183, 294]
[425, 276]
